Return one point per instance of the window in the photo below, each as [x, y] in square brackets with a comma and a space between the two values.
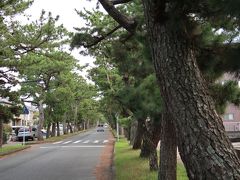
[229, 116]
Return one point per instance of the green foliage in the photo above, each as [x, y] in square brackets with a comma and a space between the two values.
[7, 128]
[8, 9]
[12, 7]
[211, 26]
[125, 122]
[223, 94]
[124, 70]
[7, 112]
[23, 41]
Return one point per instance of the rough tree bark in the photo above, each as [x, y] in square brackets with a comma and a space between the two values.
[155, 131]
[53, 133]
[127, 132]
[133, 131]
[146, 143]
[70, 127]
[58, 129]
[88, 124]
[65, 130]
[41, 121]
[168, 149]
[205, 149]
[139, 134]
[48, 130]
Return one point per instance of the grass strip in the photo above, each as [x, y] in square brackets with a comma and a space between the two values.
[128, 165]
[5, 150]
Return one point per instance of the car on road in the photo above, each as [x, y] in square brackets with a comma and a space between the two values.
[14, 133]
[28, 133]
[100, 128]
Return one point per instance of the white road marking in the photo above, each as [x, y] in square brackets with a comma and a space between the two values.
[66, 142]
[51, 147]
[57, 142]
[81, 146]
[105, 141]
[96, 141]
[77, 141]
[236, 144]
[87, 141]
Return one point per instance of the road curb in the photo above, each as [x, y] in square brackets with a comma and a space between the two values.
[113, 168]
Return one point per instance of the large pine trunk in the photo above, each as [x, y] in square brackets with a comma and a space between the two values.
[53, 134]
[155, 130]
[146, 143]
[133, 131]
[41, 121]
[65, 130]
[127, 132]
[204, 147]
[75, 118]
[70, 127]
[48, 130]
[168, 149]
[58, 129]
[139, 134]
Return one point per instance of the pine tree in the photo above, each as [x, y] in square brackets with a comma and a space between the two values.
[177, 34]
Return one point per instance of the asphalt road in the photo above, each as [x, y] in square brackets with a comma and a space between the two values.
[74, 158]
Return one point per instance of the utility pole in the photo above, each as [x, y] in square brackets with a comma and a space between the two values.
[24, 121]
[117, 126]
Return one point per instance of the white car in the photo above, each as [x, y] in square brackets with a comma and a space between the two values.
[100, 128]
[27, 133]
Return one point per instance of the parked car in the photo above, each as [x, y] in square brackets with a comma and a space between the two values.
[44, 132]
[28, 133]
[100, 128]
[14, 133]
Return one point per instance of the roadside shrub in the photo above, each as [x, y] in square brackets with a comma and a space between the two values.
[7, 130]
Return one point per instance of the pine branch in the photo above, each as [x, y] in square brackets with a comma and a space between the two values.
[28, 96]
[8, 103]
[33, 102]
[99, 39]
[126, 22]
[115, 2]
[30, 81]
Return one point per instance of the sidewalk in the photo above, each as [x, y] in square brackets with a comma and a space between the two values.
[104, 169]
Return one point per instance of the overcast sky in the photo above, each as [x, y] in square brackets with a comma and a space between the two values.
[68, 16]
[63, 8]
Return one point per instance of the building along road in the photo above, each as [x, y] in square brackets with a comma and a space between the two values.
[74, 158]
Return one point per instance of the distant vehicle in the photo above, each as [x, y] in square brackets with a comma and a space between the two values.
[105, 125]
[44, 132]
[15, 129]
[100, 128]
[28, 133]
